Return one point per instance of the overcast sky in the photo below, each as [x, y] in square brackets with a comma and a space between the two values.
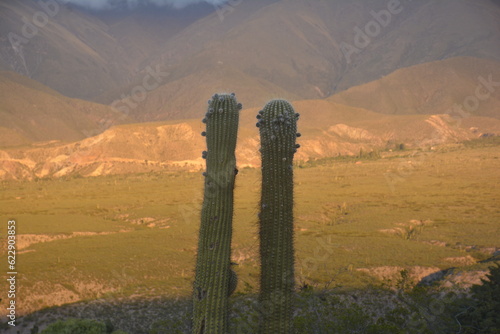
[110, 4]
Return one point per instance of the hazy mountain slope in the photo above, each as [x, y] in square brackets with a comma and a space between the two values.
[144, 31]
[299, 45]
[79, 53]
[72, 53]
[247, 40]
[424, 31]
[296, 46]
[202, 33]
[30, 112]
[187, 97]
[432, 88]
[328, 129]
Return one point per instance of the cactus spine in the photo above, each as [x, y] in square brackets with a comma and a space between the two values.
[213, 265]
[278, 133]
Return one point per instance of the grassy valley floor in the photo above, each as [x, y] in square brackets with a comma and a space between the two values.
[360, 224]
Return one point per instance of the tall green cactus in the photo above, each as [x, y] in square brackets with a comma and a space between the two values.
[213, 276]
[278, 133]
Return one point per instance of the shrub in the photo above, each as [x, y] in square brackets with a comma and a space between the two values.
[482, 315]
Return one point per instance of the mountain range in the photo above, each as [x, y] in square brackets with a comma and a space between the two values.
[364, 74]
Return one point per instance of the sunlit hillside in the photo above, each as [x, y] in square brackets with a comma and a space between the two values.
[461, 87]
[31, 112]
[328, 130]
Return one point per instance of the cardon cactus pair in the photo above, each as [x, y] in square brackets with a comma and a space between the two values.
[215, 280]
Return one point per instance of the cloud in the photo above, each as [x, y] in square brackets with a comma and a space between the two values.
[111, 4]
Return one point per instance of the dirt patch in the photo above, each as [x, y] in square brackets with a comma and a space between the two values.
[464, 280]
[462, 260]
[151, 222]
[436, 243]
[409, 230]
[42, 295]
[393, 273]
[26, 240]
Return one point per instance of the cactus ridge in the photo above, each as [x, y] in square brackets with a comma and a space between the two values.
[214, 278]
[278, 131]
